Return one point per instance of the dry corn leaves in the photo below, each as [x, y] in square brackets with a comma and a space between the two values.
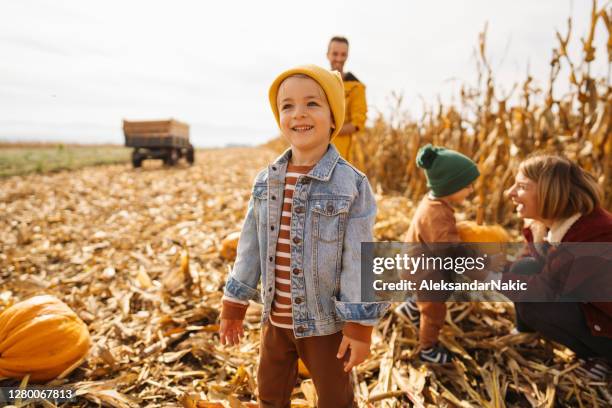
[498, 136]
[141, 256]
[136, 254]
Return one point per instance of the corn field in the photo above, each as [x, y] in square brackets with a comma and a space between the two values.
[496, 135]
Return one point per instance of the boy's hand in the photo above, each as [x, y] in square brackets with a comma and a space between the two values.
[497, 262]
[360, 350]
[230, 331]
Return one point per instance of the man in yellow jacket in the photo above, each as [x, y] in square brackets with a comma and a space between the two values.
[354, 92]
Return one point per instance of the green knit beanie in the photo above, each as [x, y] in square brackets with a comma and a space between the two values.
[447, 171]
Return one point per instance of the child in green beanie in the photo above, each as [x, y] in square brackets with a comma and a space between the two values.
[450, 175]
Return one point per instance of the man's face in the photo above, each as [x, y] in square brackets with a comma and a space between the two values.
[337, 55]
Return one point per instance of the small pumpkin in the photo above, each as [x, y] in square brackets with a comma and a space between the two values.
[491, 238]
[41, 336]
[229, 246]
[470, 231]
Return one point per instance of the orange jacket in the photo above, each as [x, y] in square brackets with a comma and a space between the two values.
[356, 107]
[433, 221]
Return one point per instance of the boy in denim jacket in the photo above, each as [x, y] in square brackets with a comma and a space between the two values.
[308, 214]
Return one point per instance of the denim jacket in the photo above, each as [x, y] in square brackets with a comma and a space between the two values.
[332, 213]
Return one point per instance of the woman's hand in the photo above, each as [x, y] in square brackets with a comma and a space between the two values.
[230, 331]
[360, 350]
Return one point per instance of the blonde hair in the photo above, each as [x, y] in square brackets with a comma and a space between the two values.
[563, 187]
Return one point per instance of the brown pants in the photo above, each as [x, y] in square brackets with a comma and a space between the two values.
[278, 370]
[432, 320]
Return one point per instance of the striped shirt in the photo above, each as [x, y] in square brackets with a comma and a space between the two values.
[281, 314]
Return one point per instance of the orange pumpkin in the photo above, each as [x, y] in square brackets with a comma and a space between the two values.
[491, 237]
[470, 231]
[42, 337]
[229, 246]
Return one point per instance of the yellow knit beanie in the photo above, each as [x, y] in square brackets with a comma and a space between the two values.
[330, 81]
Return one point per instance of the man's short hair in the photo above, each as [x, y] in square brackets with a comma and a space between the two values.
[338, 38]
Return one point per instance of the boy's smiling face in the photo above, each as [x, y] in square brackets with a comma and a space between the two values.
[305, 115]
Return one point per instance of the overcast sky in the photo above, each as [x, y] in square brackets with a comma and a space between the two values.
[72, 70]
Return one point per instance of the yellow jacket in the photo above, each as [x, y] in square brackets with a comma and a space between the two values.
[356, 107]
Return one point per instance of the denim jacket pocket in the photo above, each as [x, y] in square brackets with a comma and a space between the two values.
[260, 191]
[329, 218]
[329, 215]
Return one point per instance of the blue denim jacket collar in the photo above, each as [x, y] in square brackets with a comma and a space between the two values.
[321, 171]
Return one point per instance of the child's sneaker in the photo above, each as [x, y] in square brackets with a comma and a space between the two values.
[409, 311]
[437, 354]
[595, 369]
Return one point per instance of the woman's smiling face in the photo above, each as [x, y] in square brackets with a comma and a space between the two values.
[524, 194]
[305, 115]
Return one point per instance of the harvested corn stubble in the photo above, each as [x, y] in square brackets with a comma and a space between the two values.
[152, 347]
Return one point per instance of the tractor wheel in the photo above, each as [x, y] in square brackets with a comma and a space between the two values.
[171, 158]
[190, 155]
[136, 159]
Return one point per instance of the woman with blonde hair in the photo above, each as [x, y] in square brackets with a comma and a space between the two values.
[562, 203]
